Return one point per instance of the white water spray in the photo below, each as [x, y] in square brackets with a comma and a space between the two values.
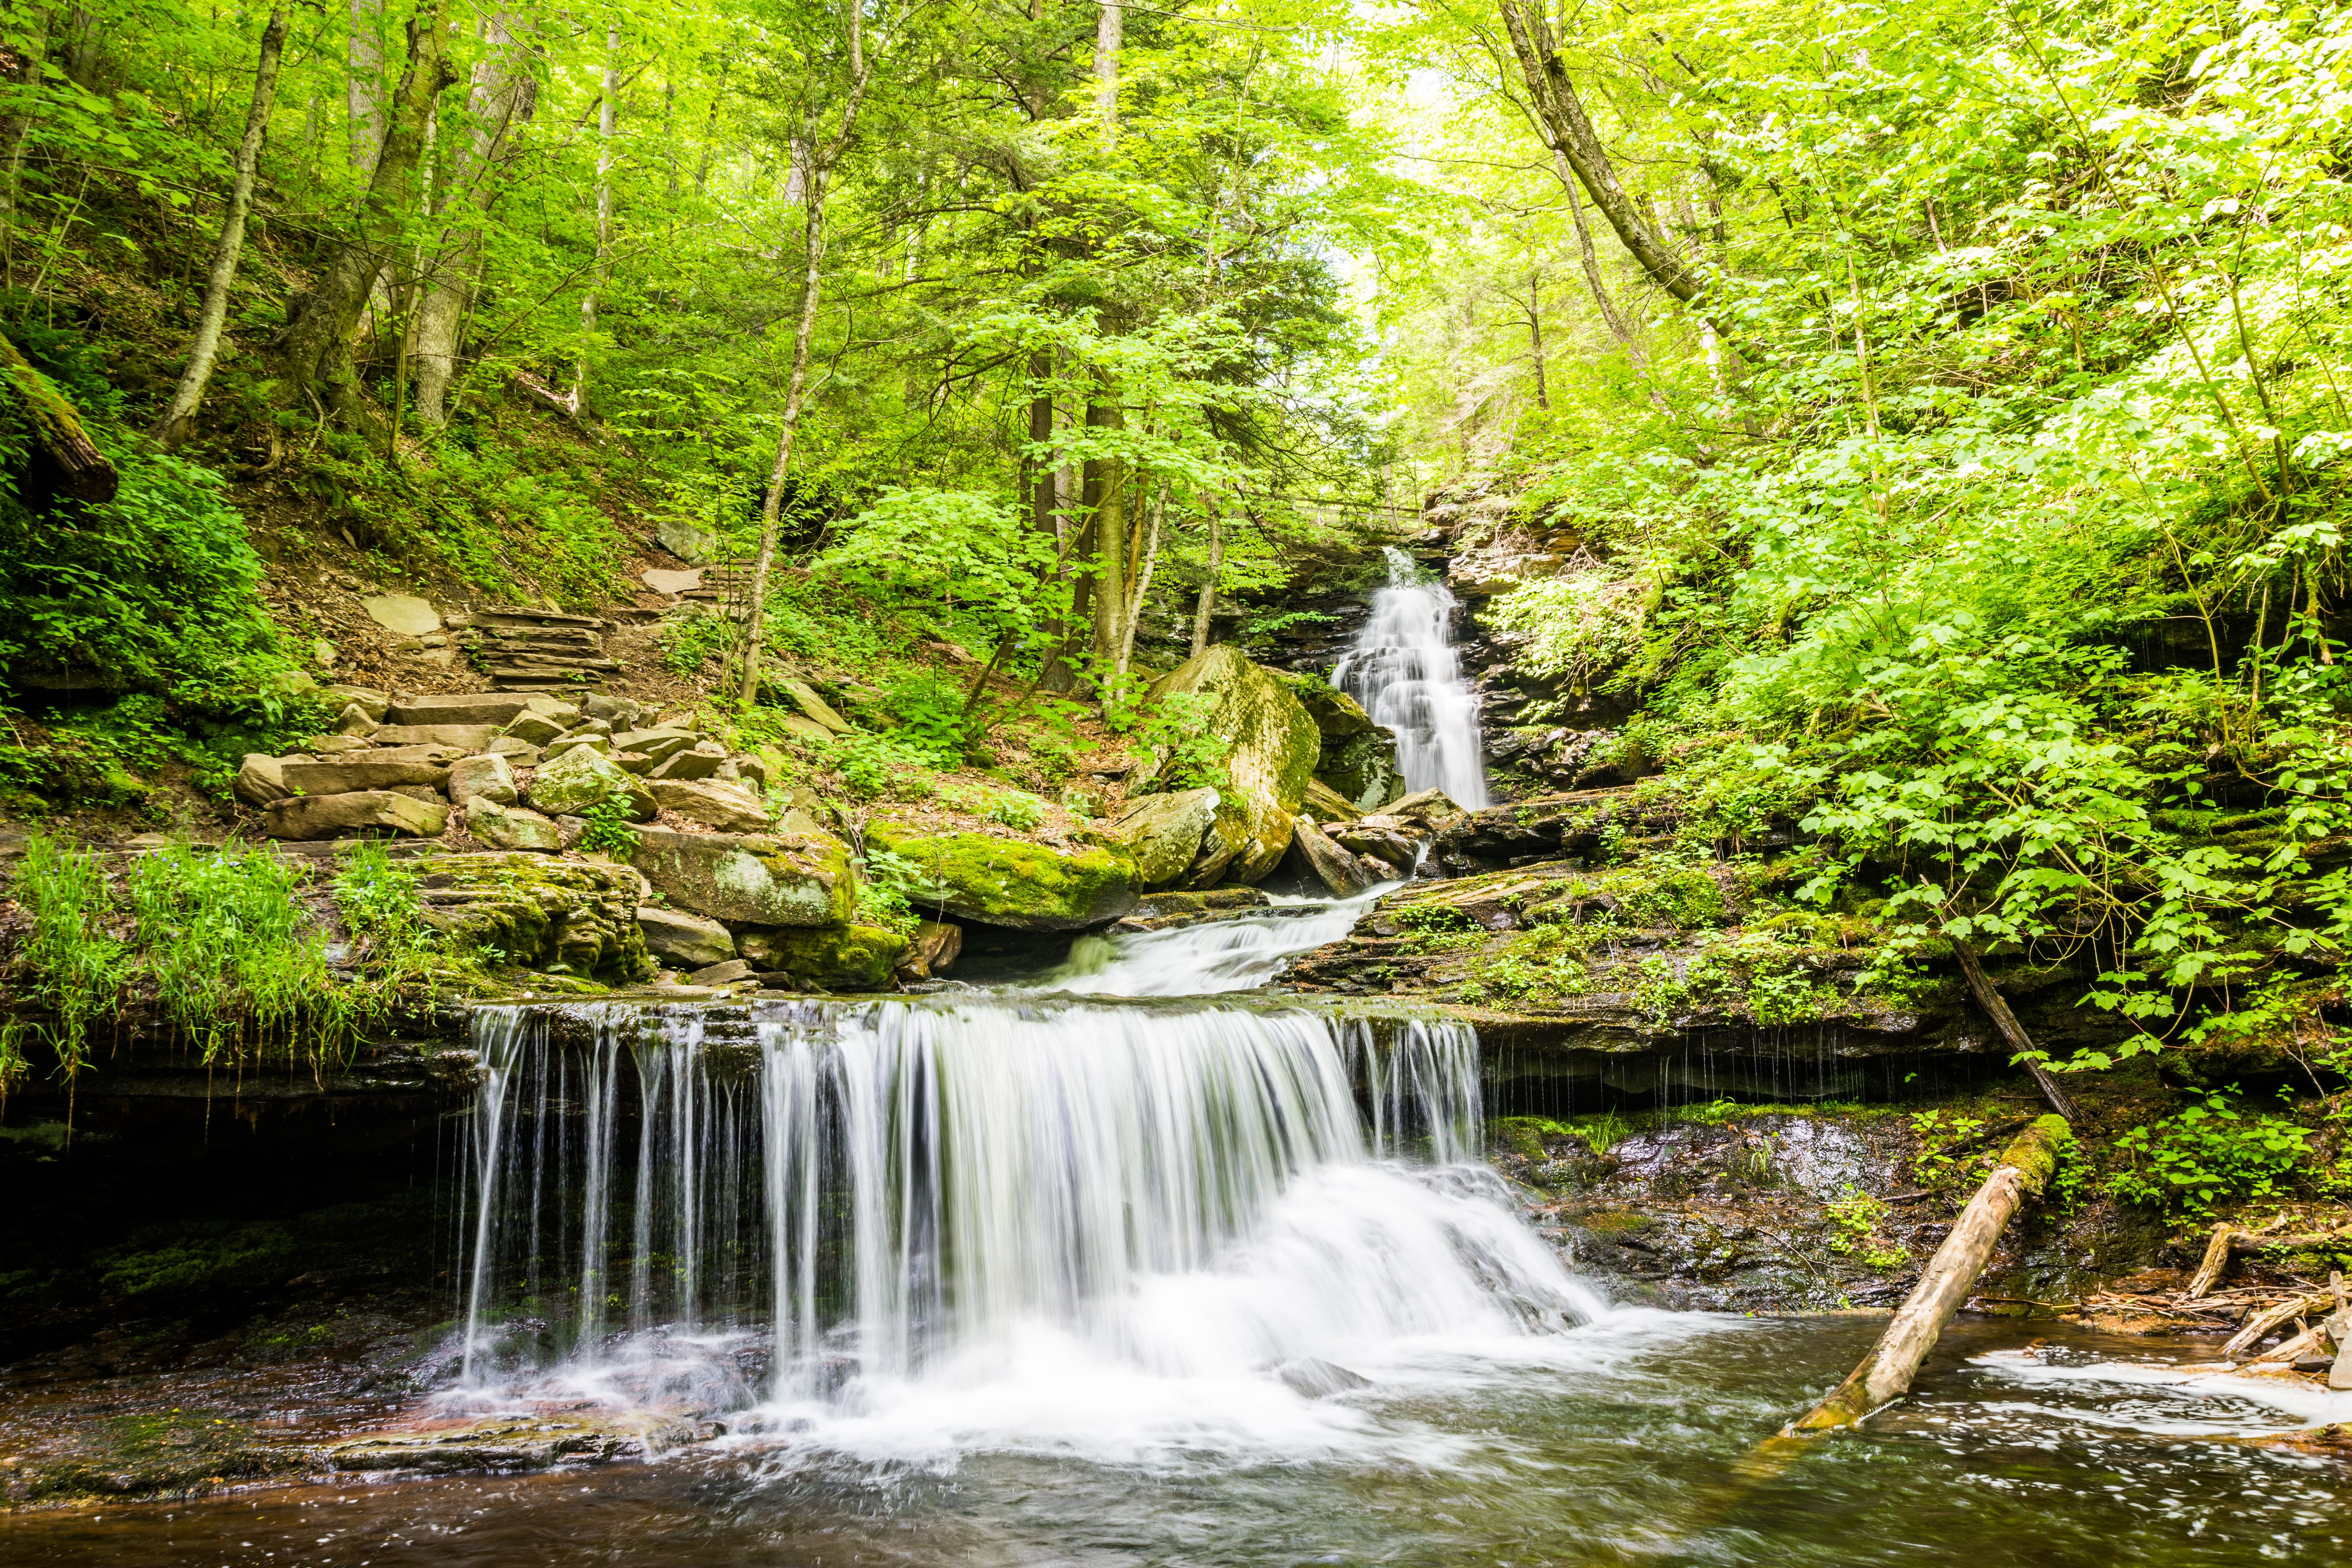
[1405, 672]
[898, 1207]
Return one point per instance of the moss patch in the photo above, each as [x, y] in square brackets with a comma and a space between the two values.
[1012, 882]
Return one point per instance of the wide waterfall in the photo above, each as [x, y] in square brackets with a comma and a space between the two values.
[833, 1208]
[1405, 672]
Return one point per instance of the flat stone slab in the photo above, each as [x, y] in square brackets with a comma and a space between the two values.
[494, 708]
[662, 582]
[330, 816]
[782, 880]
[467, 738]
[350, 774]
[403, 613]
[688, 941]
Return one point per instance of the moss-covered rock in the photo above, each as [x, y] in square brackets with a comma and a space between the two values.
[1274, 746]
[1011, 881]
[1165, 832]
[1356, 758]
[828, 958]
[789, 879]
[539, 912]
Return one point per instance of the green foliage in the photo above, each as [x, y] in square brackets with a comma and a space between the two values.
[888, 886]
[1854, 1220]
[156, 590]
[966, 557]
[383, 908]
[611, 828]
[1943, 1134]
[232, 955]
[2216, 1150]
[690, 642]
[72, 965]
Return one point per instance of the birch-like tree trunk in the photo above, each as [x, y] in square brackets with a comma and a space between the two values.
[1148, 562]
[205, 348]
[822, 157]
[1534, 339]
[502, 95]
[606, 121]
[1106, 481]
[1110, 37]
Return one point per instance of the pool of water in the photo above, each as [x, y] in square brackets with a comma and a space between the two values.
[1618, 1442]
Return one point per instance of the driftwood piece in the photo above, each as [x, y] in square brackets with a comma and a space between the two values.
[2025, 1167]
[2216, 1260]
[59, 443]
[1988, 998]
[2261, 1324]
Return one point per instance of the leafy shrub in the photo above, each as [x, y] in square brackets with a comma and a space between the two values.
[227, 945]
[688, 642]
[610, 830]
[2210, 1151]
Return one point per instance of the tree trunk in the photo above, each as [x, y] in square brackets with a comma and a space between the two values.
[795, 391]
[1534, 339]
[1208, 603]
[501, 97]
[605, 122]
[16, 130]
[179, 418]
[1150, 561]
[1988, 998]
[363, 85]
[2026, 1166]
[1107, 483]
[315, 350]
[1110, 29]
[1561, 119]
[65, 460]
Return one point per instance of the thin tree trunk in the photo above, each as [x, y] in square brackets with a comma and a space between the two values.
[1107, 484]
[1142, 590]
[1207, 604]
[502, 96]
[1988, 998]
[821, 160]
[315, 350]
[15, 131]
[1534, 339]
[2026, 1166]
[1110, 29]
[179, 418]
[605, 122]
[364, 86]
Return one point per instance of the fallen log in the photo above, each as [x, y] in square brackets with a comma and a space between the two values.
[1988, 998]
[2026, 1166]
[78, 468]
[2254, 1241]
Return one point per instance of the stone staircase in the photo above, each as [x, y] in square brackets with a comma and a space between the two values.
[526, 649]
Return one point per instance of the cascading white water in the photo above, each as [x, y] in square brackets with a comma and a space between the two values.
[1210, 959]
[874, 1209]
[1405, 672]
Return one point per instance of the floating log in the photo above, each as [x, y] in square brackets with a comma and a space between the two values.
[2025, 1167]
[1988, 998]
[78, 468]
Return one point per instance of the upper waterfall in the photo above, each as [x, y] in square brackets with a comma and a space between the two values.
[1405, 672]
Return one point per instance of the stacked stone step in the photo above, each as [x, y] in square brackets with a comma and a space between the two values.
[525, 649]
[729, 586]
[399, 766]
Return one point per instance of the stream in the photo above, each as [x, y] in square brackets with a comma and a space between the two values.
[1127, 1264]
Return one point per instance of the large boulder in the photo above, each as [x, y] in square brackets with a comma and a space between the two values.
[730, 808]
[688, 942]
[539, 912]
[791, 879]
[1343, 871]
[1165, 832]
[332, 815]
[825, 958]
[1355, 757]
[1011, 881]
[569, 784]
[1275, 744]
